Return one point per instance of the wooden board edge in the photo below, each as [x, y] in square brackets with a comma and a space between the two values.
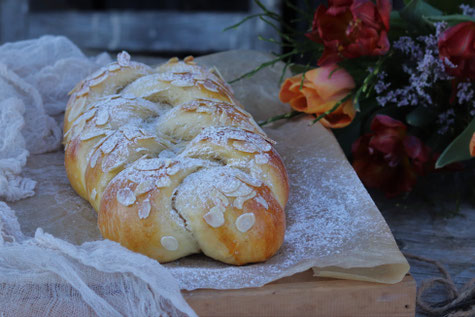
[306, 295]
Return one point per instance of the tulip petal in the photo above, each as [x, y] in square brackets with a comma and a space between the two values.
[415, 149]
[299, 103]
[389, 159]
[314, 102]
[458, 39]
[341, 117]
[321, 89]
[382, 122]
[366, 12]
[329, 56]
[472, 145]
[457, 44]
[351, 28]
[288, 90]
[383, 44]
[384, 9]
[339, 3]
[331, 81]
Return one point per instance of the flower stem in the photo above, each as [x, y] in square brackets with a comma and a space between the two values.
[339, 103]
[369, 81]
[263, 65]
[287, 115]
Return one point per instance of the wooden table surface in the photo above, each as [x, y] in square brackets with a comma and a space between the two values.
[420, 231]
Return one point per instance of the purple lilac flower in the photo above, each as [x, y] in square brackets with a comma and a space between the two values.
[446, 120]
[440, 27]
[424, 68]
[467, 10]
[406, 45]
[465, 95]
[401, 96]
[381, 85]
[464, 92]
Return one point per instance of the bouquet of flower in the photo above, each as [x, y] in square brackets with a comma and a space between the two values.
[398, 84]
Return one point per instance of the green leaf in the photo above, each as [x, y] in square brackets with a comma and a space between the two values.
[449, 7]
[399, 26]
[396, 19]
[459, 149]
[416, 11]
[450, 19]
[357, 104]
[421, 117]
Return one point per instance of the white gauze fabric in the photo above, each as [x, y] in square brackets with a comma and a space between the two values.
[12, 151]
[44, 275]
[35, 77]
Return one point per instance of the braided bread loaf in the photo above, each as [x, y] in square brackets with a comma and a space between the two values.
[172, 163]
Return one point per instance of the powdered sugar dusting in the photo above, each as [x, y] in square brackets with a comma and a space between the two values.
[163, 181]
[328, 214]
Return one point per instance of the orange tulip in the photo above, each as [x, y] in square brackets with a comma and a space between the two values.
[472, 145]
[322, 88]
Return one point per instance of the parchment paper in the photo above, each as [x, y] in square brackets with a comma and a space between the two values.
[332, 223]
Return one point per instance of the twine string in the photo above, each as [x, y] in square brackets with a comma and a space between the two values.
[459, 303]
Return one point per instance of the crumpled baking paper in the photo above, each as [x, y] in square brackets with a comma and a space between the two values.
[333, 226]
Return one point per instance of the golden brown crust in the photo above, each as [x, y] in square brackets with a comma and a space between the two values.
[173, 164]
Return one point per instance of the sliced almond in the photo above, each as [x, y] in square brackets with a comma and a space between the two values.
[93, 133]
[261, 159]
[241, 191]
[239, 201]
[262, 201]
[214, 217]
[102, 116]
[144, 187]
[93, 194]
[245, 221]
[125, 196]
[170, 243]
[149, 164]
[245, 146]
[144, 209]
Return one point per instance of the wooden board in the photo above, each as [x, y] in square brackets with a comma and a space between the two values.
[305, 295]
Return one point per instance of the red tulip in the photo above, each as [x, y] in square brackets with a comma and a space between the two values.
[457, 44]
[351, 28]
[388, 158]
